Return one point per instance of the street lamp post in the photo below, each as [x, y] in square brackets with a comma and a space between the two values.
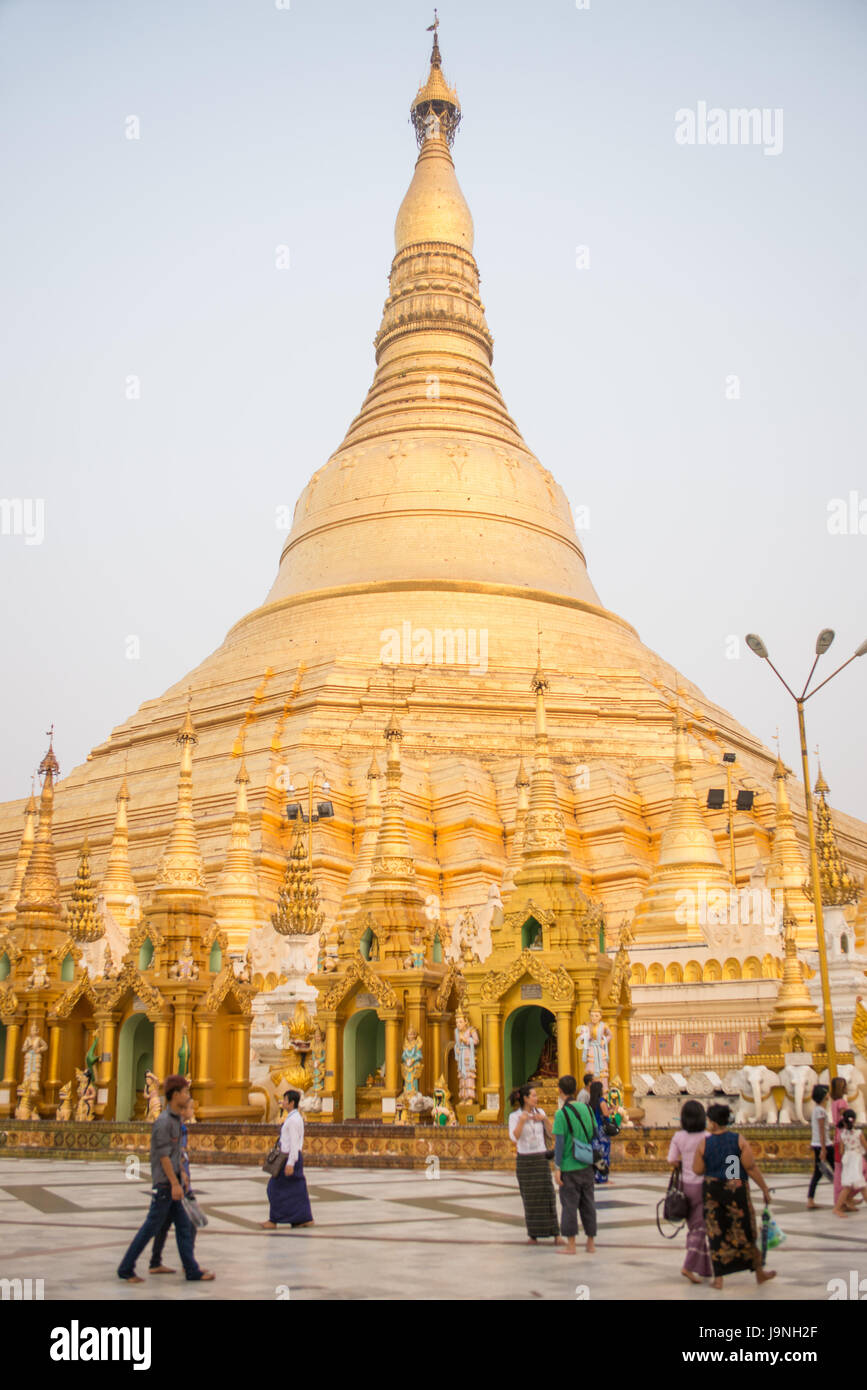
[823, 642]
[324, 809]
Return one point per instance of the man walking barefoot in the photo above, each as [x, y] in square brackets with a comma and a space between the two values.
[574, 1179]
[168, 1190]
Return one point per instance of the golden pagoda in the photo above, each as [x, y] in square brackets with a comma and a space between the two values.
[10, 902]
[118, 890]
[787, 872]
[795, 1025]
[689, 891]
[237, 901]
[425, 555]
[839, 887]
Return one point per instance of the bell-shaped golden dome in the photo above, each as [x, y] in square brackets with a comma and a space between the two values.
[434, 208]
[433, 458]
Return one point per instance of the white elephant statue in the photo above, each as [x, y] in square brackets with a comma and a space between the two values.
[856, 1085]
[756, 1103]
[799, 1082]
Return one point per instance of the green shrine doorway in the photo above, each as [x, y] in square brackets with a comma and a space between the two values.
[363, 1055]
[530, 1048]
[135, 1057]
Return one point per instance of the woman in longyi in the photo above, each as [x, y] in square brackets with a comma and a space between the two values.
[727, 1163]
[287, 1192]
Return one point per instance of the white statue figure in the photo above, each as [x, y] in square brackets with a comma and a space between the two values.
[488, 919]
[152, 1096]
[411, 1062]
[318, 1059]
[466, 936]
[33, 1048]
[184, 968]
[466, 1042]
[38, 978]
[592, 1040]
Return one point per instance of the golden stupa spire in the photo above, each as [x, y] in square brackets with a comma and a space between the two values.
[298, 912]
[787, 870]
[361, 869]
[236, 896]
[392, 860]
[182, 868]
[795, 1024]
[522, 801]
[433, 454]
[838, 886]
[84, 920]
[25, 849]
[688, 877]
[118, 888]
[40, 887]
[544, 825]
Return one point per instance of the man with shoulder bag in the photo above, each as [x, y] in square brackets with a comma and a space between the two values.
[574, 1133]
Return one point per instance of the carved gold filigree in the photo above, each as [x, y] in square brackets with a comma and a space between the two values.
[556, 982]
[359, 972]
[393, 866]
[9, 1003]
[453, 979]
[82, 989]
[543, 915]
[144, 931]
[129, 978]
[226, 983]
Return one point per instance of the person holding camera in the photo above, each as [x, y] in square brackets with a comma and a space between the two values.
[530, 1132]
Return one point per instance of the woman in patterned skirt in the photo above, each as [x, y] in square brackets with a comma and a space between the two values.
[529, 1132]
[693, 1123]
[727, 1163]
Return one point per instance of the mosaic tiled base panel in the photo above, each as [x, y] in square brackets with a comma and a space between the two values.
[356, 1145]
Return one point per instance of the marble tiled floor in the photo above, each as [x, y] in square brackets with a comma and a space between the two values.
[387, 1235]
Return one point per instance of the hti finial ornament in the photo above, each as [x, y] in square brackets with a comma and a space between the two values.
[436, 111]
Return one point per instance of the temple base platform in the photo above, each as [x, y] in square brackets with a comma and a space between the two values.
[355, 1144]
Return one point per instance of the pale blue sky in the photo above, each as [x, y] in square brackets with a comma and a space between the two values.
[262, 126]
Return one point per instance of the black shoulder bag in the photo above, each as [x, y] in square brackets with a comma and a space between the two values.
[674, 1204]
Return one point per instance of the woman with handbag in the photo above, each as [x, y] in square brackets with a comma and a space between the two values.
[287, 1190]
[681, 1151]
[606, 1129]
[530, 1132]
[726, 1162]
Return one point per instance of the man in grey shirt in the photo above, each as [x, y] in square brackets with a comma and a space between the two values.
[167, 1193]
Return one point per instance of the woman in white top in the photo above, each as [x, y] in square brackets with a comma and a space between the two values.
[530, 1132]
[822, 1144]
[287, 1192]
